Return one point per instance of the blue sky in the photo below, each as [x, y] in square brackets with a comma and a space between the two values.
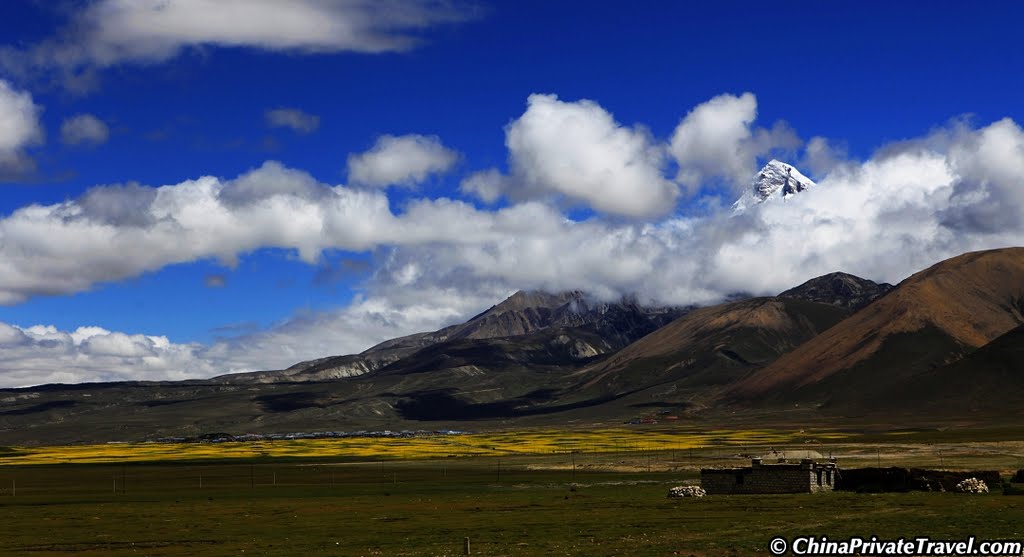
[608, 141]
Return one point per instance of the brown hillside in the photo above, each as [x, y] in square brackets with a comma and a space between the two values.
[954, 307]
[712, 346]
[985, 386]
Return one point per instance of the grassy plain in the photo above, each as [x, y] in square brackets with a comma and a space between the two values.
[515, 493]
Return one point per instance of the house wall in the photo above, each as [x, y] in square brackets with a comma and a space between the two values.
[794, 478]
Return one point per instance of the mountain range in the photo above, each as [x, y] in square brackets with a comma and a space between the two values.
[943, 346]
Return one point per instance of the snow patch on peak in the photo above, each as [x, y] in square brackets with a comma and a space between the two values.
[776, 180]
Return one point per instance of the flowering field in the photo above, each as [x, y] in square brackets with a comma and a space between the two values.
[528, 442]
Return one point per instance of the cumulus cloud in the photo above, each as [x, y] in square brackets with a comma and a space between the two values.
[404, 161]
[118, 205]
[578, 152]
[487, 185]
[121, 231]
[821, 156]
[19, 129]
[114, 232]
[109, 32]
[293, 118]
[717, 140]
[270, 180]
[84, 129]
[990, 196]
[44, 354]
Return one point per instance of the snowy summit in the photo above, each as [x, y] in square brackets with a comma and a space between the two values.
[776, 180]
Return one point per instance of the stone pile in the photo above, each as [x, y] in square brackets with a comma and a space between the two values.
[687, 491]
[972, 485]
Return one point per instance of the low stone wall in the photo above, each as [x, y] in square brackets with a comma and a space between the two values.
[947, 480]
[876, 480]
[873, 480]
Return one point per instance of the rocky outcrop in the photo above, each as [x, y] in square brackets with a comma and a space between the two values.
[839, 289]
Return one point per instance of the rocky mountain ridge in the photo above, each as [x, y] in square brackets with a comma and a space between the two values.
[839, 289]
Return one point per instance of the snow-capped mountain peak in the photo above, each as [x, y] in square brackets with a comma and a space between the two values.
[777, 180]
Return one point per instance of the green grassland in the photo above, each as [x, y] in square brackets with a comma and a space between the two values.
[581, 503]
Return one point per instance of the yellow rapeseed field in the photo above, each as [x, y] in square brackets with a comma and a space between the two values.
[525, 442]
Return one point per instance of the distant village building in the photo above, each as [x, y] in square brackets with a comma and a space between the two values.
[798, 472]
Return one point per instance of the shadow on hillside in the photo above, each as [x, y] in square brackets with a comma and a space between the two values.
[442, 404]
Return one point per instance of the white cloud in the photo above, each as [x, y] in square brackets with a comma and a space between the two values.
[297, 120]
[119, 344]
[12, 336]
[487, 185]
[109, 32]
[990, 197]
[821, 156]
[577, 151]
[44, 354]
[404, 160]
[716, 140]
[270, 180]
[84, 129]
[708, 141]
[19, 129]
[115, 232]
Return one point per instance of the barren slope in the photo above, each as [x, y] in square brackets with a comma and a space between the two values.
[933, 318]
[711, 347]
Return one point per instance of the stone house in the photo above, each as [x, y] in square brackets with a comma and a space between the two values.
[805, 474]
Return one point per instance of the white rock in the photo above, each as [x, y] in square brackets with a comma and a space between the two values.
[972, 485]
[687, 491]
